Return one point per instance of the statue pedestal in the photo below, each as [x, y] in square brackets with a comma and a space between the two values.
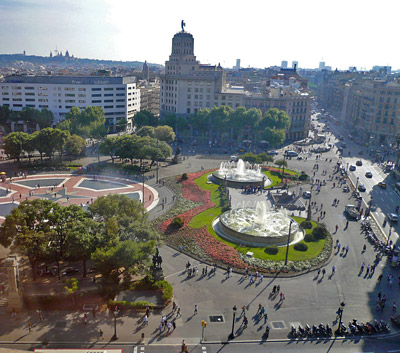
[158, 274]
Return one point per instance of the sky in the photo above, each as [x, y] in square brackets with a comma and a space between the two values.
[262, 33]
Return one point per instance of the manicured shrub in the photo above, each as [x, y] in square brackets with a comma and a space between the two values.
[306, 225]
[308, 238]
[271, 250]
[177, 222]
[166, 288]
[184, 176]
[300, 247]
[320, 232]
[123, 304]
[303, 176]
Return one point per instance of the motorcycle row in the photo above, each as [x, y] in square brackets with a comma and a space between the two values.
[353, 329]
[311, 331]
[371, 236]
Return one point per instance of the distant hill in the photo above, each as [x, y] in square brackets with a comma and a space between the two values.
[9, 59]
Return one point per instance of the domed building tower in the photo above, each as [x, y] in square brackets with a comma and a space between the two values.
[145, 72]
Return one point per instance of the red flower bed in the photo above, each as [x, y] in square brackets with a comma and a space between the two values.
[216, 250]
[192, 192]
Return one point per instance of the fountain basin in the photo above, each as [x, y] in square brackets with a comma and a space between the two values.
[244, 226]
[241, 174]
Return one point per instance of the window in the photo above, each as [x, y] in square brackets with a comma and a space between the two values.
[82, 101]
[96, 89]
[108, 106]
[69, 89]
[81, 95]
[67, 100]
[31, 105]
[81, 89]
[29, 87]
[188, 110]
[109, 88]
[42, 106]
[120, 100]
[120, 88]
[6, 99]
[120, 106]
[96, 101]
[69, 95]
[109, 95]
[120, 94]
[96, 95]
[17, 99]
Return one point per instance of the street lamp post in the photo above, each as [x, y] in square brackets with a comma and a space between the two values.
[340, 310]
[309, 207]
[357, 182]
[143, 184]
[288, 241]
[390, 233]
[232, 335]
[115, 336]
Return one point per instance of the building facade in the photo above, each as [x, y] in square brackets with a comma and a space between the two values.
[118, 96]
[373, 111]
[188, 86]
[150, 97]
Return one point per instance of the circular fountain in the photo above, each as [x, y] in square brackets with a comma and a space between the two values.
[257, 226]
[240, 173]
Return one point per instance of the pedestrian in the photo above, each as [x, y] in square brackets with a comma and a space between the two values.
[333, 270]
[318, 272]
[394, 306]
[347, 249]
[261, 278]
[265, 318]
[245, 322]
[174, 325]
[380, 277]
[278, 288]
[364, 248]
[169, 325]
[173, 306]
[259, 308]
[100, 333]
[195, 309]
[178, 313]
[362, 267]
[85, 319]
[336, 228]
[251, 279]
[145, 320]
[29, 327]
[368, 268]
[160, 327]
[347, 225]
[273, 289]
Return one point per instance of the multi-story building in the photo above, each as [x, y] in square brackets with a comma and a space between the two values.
[118, 96]
[150, 97]
[373, 110]
[188, 86]
[296, 104]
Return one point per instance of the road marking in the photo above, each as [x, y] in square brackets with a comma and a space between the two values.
[174, 274]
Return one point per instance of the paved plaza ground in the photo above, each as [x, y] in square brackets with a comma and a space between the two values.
[308, 298]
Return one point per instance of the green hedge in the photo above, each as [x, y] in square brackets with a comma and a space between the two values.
[306, 225]
[184, 176]
[271, 250]
[309, 238]
[300, 247]
[320, 232]
[177, 222]
[123, 304]
[166, 288]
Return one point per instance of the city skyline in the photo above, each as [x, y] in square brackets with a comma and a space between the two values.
[261, 35]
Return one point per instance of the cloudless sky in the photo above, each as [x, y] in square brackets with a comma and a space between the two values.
[261, 33]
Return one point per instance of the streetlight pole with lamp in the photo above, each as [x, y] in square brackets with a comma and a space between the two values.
[340, 310]
[203, 325]
[115, 336]
[232, 335]
[288, 241]
[357, 182]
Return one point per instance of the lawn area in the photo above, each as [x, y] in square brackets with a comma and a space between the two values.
[206, 217]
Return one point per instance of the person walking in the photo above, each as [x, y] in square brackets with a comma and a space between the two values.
[29, 327]
[101, 334]
[178, 312]
[85, 319]
[278, 288]
[195, 309]
[265, 318]
[362, 267]
[173, 325]
[245, 321]
[333, 270]
[336, 228]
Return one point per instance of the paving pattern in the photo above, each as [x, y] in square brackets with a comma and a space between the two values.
[69, 189]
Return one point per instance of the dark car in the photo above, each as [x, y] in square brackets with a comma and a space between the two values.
[382, 185]
[368, 174]
[361, 187]
[272, 153]
[359, 163]
[352, 168]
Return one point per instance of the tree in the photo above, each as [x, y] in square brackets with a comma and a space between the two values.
[120, 261]
[109, 147]
[145, 118]
[164, 133]
[27, 230]
[199, 121]
[146, 131]
[13, 144]
[5, 114]
[106, 207]
[274, 136]
[75, 145]
[29, 145]
[237, 120]
[276, 118]
[65, 223]
[49, 141]
[71, 286]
